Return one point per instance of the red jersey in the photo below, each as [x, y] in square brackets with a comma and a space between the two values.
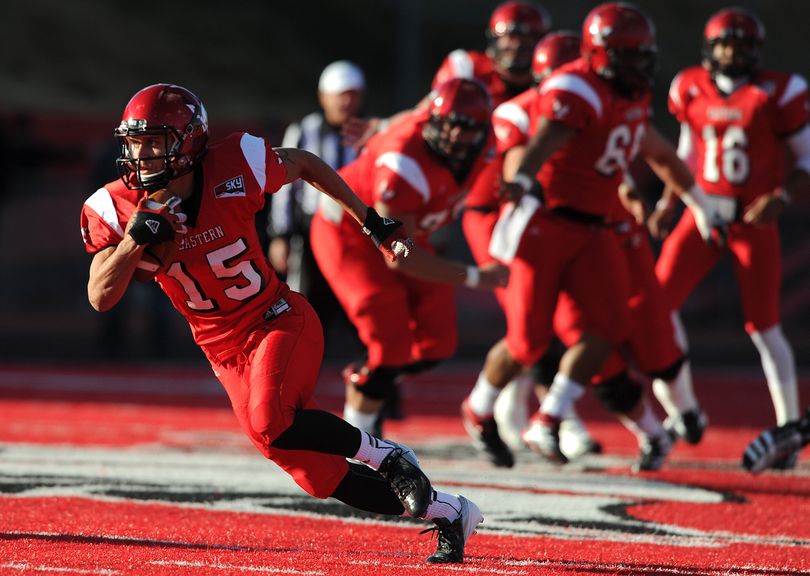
[219, 277]
[475, 66]
[585, 174]
[397, 169]
[738, 139]
[513, 121]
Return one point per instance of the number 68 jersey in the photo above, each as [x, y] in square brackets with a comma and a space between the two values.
[218, 277]
[737, 140]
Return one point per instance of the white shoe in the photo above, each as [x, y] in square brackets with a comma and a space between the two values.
[575, 440]
[545, 440]
[512, 412]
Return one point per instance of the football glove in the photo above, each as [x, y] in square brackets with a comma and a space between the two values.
[155, 222]
[388, 235]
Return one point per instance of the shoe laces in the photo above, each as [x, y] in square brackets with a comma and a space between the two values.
[446, 534]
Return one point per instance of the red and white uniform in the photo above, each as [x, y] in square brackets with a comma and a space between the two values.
[400, 319]
[221, 281]
[738, 154]
[651, 341]
[566, 248]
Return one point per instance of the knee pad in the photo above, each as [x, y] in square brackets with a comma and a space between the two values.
[375, 383]
[670, 372]
[619, 394]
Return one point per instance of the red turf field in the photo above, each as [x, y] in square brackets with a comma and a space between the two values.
[107, 472]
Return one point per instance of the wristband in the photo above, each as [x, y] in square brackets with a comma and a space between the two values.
[524, 181]
[473, 278]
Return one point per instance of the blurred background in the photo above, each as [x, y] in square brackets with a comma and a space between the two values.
[68, 68]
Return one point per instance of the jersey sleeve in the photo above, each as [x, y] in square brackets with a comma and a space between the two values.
[400, 183]
[568, 99]
[676, 97]
[791, 106]
[511, 125]
[100, 226]
[457, 64]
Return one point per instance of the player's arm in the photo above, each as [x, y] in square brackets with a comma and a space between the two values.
[427, 266]
[662, 157]
[388, 235]
[767, 208]
[551, 135]
[111, 271]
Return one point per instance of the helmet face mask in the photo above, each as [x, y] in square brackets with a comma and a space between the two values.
[618, 41]
[733, 42]
[162, 135]
[514, 29]
[458, 122]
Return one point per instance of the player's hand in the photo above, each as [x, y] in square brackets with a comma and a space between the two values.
[492, 275]
[633, 202]
[154, 222]
[520, 185]
[659, 223]
[388, 235]
[357, 131]
[765, 209]
[707, 219]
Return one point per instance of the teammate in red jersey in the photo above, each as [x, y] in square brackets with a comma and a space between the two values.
[512, 125]
[594, 119]
[504, 69]
[417, 172]
[193, 205]
[736, 119]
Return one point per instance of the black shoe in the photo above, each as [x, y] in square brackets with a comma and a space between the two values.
[452, 536]
[484, 432]
[688, 425]
[654, 454]
[401, 469]
[777, 447]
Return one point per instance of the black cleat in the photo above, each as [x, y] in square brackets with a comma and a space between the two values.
[776, 447]
[401, 469]
[654, 454]
[452, 536]
[688, 425]
[484, 432]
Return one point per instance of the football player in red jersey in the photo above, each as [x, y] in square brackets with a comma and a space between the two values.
[593, 120]
[194, 205]
[736, 119]
[512, 124]
[418, 172]
[504, 68]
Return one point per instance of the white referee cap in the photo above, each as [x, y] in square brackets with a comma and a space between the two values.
[341, 76]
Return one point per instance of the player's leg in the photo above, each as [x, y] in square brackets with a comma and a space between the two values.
[377, 305]
[597, 282]
[684, 261]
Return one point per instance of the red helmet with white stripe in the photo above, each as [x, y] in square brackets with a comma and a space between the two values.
[524, 22]
[618, 41]
[554, 50]
[172, 120]
[458, 123]
[744, 32]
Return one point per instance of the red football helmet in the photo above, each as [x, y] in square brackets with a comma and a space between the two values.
[745, 31]
[618, 40]
[458, 122]
[554, 50]
[523, 20]
[175, 117]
